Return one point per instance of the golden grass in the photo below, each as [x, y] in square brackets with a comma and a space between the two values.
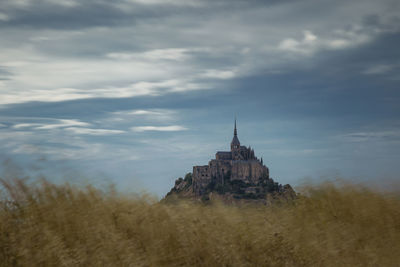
[49, 225]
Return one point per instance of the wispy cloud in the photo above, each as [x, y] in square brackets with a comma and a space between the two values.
[72, 126]
[4, 17]
[378, 69]
[171, 128]
[64, 3]
[142, 88]
[166, 2]
[90, 131]
[177, 54]
[62, 123]
[219, 74]
[148, 114]
[311, 43]
[80, 151]
[26, 125]
[26, 149]
[306, 45]
[140, 112]
[371, 136]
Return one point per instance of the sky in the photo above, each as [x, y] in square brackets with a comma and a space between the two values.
[136, 92]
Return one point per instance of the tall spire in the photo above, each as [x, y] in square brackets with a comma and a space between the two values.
[235, 144]
[235, 131]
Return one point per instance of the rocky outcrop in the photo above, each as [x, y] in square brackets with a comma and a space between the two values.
[264, 191]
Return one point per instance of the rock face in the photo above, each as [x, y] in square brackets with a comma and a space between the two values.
[233, 175]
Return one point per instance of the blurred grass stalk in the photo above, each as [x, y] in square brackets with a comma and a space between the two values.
[328, 225]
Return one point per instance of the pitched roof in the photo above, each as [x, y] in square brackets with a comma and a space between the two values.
[235, 140]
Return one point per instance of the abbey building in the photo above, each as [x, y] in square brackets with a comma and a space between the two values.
[239, 163]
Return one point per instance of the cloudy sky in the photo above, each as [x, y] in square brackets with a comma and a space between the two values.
[136, 92]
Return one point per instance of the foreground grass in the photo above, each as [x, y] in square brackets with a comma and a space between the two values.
[51, 225]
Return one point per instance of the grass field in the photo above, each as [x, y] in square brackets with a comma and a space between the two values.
[328, 225]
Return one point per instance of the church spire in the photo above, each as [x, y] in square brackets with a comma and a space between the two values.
[235, 131]
[235, 144]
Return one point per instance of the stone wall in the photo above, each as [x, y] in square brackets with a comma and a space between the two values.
[219, 169]
[248, 171]
[221, 155]
[201, 178]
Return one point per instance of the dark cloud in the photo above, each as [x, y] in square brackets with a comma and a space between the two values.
[67, 15]
[44, 15]
[68, 18]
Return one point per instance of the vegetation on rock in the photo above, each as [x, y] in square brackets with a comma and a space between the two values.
[232, 189]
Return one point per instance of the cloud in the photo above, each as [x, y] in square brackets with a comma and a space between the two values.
[171, 128]
[306, 45]
[166, 2]
[338, 44]
[61, 123]
[81, 150]
[89, 131]
[149, 114]
[73, 143]
[4, 17]
[132, 90]
[64, 3]
[378, 69]
[311, 44]
[173, 85]
[219, 74]
[26, 125]
[371, 136]
[115, 52]
[177, 54]
[139, 112]
[5, 74]
[54, 95]
[72, 126]
[26, 149]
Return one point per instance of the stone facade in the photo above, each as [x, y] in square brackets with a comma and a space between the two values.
[238, 164]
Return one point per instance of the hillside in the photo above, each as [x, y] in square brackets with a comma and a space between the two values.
[265, 191]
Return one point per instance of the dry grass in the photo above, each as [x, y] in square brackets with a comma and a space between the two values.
[51, 225]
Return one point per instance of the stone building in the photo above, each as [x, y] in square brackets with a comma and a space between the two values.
[238, 164]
